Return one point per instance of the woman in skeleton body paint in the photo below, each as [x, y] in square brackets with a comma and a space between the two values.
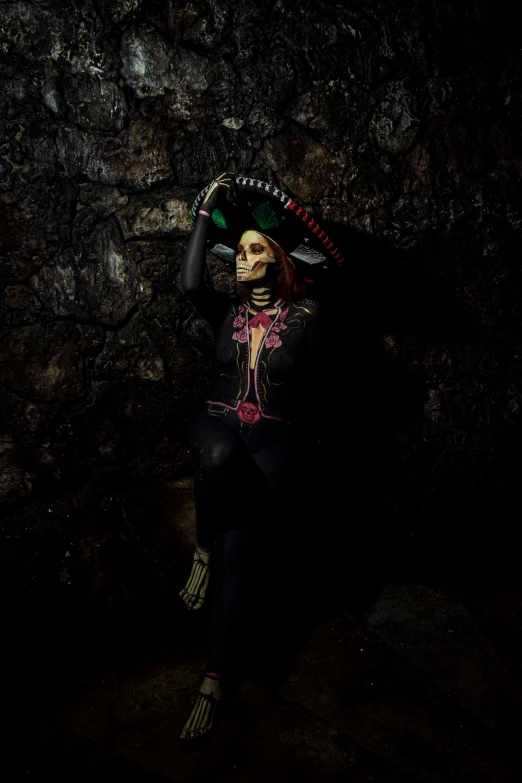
[243, 439]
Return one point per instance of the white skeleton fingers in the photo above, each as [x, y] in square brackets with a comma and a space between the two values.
[224, 180]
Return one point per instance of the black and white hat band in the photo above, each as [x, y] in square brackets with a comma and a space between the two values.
[264, 208]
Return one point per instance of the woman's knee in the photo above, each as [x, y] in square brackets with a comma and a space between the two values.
[218, 454]
[214, 445]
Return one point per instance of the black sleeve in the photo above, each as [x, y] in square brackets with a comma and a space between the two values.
[211, 304]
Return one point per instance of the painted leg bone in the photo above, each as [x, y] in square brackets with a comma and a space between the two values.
[202, 716]
[194, 591]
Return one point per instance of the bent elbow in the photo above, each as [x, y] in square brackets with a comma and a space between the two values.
[191, 290]
[187, 286]
[189, 283]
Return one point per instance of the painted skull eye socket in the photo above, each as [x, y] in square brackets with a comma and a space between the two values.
[255, 248]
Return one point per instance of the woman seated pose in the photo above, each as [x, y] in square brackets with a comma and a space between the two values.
[244, 439]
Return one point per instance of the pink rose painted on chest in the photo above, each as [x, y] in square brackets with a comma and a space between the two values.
[241, 336]
[280, 324]
[238, 322]
[273, 341]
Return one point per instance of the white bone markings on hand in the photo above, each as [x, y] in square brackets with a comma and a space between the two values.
[224, 180]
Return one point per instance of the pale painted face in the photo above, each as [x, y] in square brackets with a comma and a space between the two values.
[253, 254]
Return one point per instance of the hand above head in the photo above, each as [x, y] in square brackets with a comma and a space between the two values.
[209, 302]
[225, 183]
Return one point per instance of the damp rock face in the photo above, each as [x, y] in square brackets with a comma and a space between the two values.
[137, 158]
[40, 360]
[398, 124]
[162, 213]
[73, 39]
[13, 480]
[146, 63]
[94, 280]
[95, 104]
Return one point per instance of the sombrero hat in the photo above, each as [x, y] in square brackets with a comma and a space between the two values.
[268, 210]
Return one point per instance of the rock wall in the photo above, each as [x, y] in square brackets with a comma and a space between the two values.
[398, 123]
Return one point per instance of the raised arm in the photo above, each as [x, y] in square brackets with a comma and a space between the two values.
[210, 303]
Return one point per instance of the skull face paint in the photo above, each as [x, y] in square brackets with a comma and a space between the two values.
[253, 254]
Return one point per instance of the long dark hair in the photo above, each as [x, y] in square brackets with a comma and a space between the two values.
[286, 286]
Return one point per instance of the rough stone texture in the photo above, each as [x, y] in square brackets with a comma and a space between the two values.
[163, 213]
[49, 196]
[221, 149]
[42, 361]
[398, 125]
[95, 104]
[146, 62]
[12, 478]
[412, 712]
[70, 36]
[322, 168]
[442, 640]
[137, 158]
[93, 280]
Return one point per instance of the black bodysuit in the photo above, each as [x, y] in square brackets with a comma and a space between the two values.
[269, 370]
[244, 441]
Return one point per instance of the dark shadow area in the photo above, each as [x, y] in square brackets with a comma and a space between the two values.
[404, 517]
[61, 634]
[359, 514]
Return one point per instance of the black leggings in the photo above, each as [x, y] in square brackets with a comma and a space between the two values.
[243, 471]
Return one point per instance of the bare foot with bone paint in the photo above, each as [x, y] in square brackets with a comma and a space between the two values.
[195, 590]
[202, 717]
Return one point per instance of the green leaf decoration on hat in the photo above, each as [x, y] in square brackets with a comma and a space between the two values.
[219, 218]
[265, 216]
